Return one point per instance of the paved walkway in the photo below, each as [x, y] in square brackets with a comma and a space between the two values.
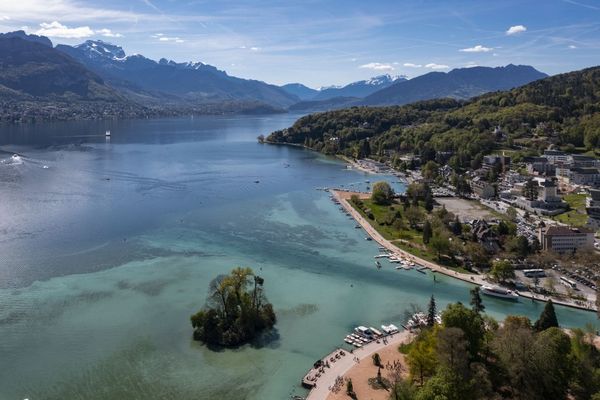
[340, 367]
[344, 198]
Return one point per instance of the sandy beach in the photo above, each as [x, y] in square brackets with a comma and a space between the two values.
[360, 370]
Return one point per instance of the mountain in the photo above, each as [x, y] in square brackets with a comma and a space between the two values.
[300, 91]
[33, 69]
[39, 82]
[144, 79]
[30, 38]
[462, 83]
[359, 89]
[562, 111]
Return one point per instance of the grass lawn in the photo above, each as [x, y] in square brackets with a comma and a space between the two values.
[577, 215]
[410, 240]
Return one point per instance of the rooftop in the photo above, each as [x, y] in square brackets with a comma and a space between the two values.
[566, 231]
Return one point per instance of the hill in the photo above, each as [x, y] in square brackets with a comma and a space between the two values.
[461, 83]
[300, 91]
[359, 89]
[563, 110]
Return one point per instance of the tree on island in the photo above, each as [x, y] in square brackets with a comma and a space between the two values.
[547, 318]
[236, 310]
[383, 194]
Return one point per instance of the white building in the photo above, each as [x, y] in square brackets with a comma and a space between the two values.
[562, 239]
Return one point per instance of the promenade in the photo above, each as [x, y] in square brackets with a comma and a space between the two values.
[344, 198]
[342, 366]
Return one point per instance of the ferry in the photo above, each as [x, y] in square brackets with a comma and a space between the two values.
[497, 291]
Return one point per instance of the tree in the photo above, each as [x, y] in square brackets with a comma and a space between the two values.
[428, 201]
[502, 270]
[376, 360]
[402, 390]
[519, 246]
[476, 300]
[458, 316]
[421, 357]
[456, 227]
[511, 212]
[452, 350]
[547, 318]
[414, 215]
[236, 310]
[530, 189]
[383, 194]
[431, 311]
[440, 243]
[261, 138]
[427, 232]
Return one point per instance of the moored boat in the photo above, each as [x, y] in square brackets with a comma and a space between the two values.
[497, 291]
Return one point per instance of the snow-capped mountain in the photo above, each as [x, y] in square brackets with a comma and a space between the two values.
[99, 48]
[194, 81]
[359, 89]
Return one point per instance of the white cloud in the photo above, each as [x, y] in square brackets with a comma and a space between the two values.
[255, 48]
[108, 33]
[471, 64]
[515, 30]
[56, 29]
[377, 66]
[436, 66]
[572, 46]
[4, 18]
[411, 65]
[477, 49]
[162, 38]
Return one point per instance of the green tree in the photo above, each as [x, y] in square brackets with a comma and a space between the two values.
[511, 213]
[456, 227]
[421, 357]
[440, 243]
[414, 215]
[427, 232]
[530, 189]
[502, 270]
[470, 322]
[476, 300]
[431, 311]
[547, 318]
[383, 194]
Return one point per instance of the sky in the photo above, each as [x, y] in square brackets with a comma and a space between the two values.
[328, 42]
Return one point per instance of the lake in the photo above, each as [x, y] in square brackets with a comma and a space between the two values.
[108, 246]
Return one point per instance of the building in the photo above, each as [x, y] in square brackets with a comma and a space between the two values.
[556, 157]
[562, 239]
[495, 161]
[482, 188]
[540, 166]
[593, 209]
[584, 176]
[548, 202]
[579, 161]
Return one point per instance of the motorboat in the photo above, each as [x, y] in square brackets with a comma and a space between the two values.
[497, 291]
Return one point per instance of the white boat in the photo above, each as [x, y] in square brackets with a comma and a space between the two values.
[497, 291]
[107, 133]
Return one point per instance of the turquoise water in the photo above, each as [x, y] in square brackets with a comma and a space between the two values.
[105, 253]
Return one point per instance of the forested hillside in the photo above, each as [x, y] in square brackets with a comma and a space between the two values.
[563, 110]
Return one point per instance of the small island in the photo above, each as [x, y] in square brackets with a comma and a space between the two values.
[236, 310]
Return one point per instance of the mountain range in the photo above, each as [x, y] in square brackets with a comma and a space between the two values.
[99, 80]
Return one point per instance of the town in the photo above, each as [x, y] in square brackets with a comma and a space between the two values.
[538, 214]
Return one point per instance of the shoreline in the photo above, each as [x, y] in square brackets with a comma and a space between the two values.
[343, 197]
[322, 390]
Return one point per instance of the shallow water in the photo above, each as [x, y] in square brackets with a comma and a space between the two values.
[107, 247]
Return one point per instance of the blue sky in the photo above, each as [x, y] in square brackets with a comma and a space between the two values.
[321, 43]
